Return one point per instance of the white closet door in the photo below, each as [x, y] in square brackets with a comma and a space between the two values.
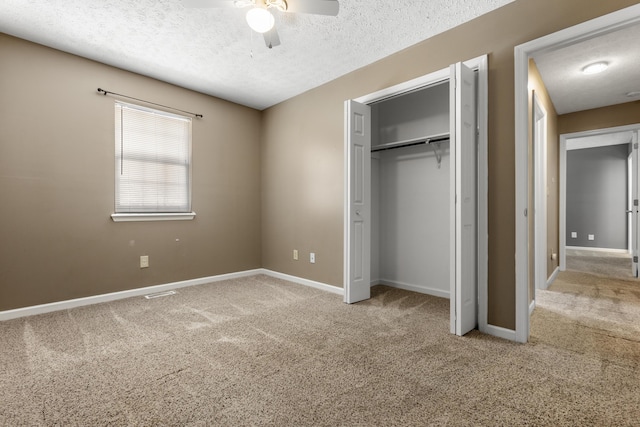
[635, 238]
[464, 249]
[357, 269]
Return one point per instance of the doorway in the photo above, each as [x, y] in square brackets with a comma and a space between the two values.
[590, 30]
[599, 183]
[468, 182]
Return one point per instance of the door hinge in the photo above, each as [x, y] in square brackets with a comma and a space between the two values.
[635, 145]
[635, 202]
[635, 258]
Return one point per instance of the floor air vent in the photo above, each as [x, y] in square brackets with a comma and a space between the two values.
[160, 294]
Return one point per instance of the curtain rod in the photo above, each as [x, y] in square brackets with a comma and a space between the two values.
[105, 92]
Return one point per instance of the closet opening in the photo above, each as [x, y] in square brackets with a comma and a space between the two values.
[415, 191]
[410, 186]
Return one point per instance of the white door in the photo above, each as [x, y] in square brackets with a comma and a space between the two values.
[357, 269]
[635, 230]
[464, 249]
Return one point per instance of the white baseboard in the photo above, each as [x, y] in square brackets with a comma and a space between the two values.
[553, 277]
[97, 299]
[587, 248]
[415, 288]
[499, 332]
[305, 282]
[532, 307]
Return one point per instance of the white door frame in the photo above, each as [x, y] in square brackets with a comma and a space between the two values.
[584, 31]
[540, 192]
[481, 65]
[563, 180]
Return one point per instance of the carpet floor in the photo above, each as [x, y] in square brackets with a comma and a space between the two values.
[263, 351]
[612, 264]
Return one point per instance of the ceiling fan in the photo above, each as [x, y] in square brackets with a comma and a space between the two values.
[259, 16]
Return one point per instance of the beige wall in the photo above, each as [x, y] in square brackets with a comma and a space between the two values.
[600, 118]
[537, 86]
[57, 183]
[302, 156]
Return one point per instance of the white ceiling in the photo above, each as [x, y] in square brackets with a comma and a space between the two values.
[571, 91]
[213, 51]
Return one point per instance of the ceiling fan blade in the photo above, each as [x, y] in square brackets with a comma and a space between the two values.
[317, 7]
[209, 3]
[271, 38]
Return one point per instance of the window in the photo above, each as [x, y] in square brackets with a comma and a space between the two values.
[153, 164]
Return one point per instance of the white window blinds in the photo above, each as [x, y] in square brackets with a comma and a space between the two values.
[153, 160]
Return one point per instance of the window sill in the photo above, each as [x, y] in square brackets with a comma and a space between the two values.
[126, 217]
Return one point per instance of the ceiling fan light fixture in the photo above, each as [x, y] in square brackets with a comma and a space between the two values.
[595, 68]
[278, 4]
[260, 20]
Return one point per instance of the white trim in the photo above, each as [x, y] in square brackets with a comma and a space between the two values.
[576, 144]
[114, 296]
[346, 196]
[125, 217]
[562, 205]
[421, 82]
[601, 131]
[568, 36]
[532, 307]
[522, 191]
[497, 331]
[553, 277]
[415, 288]
[540, 190]
[587, 248]
[483, 192]
[305, 282]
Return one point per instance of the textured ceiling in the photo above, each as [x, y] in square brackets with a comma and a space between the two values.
[213, 51]
[572, 91]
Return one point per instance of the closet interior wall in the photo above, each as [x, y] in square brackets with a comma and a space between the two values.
[410, 235]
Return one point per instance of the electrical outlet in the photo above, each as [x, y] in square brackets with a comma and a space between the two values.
[312, 258]
[574, 235]
[295, 254]
[592, 237]
[144, 261]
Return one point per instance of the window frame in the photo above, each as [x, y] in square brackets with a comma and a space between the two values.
[153, 215]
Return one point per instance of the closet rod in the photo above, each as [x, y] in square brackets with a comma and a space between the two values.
[105, 92]
[411, 142]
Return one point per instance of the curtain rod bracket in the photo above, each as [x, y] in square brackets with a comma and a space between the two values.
[105, 92]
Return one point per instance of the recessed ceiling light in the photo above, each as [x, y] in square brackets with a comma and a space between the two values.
[595, 68]
[634, 94]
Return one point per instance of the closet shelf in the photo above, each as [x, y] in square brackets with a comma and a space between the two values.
[414, 141]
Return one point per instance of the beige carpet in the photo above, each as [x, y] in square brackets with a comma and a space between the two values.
[613, 264]
[590, 314]
[261, 351]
